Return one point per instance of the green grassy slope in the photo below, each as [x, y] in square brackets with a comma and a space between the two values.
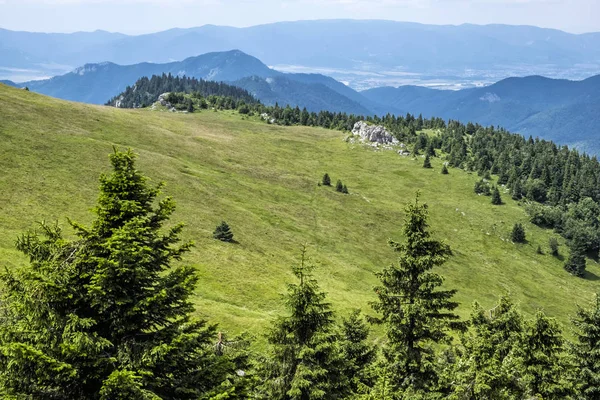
[262, 179]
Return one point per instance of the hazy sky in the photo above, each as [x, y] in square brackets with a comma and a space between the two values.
[142, 16]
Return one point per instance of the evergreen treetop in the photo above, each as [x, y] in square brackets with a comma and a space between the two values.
[108, 313]
[415, 312]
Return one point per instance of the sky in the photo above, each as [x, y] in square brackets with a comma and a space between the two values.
[145, 16]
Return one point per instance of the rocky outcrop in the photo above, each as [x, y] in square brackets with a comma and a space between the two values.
[373, 133]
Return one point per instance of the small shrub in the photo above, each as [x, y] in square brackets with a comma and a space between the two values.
[482, 187]
[427, 162]
[496, 199]
[553, 244]
[223, 232]
[539, 250]
[518, 233]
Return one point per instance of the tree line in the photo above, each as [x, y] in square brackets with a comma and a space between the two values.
[107, 315]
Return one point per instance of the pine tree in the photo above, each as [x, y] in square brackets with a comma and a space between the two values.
[444, 169]
[415, 313]
[190, 107]
[517, 190]
[487, 366]
[223, 232]
[326, 180]
[339, 187]
[305, 361]
[496, 199]
[107, 315]
[576, 262]
[586, 350]
[345, 189]
[542, 362]
[427, 162]
[518, 233]
[357, 354]
[553, 244]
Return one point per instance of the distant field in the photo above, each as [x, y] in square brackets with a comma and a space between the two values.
[262, 179]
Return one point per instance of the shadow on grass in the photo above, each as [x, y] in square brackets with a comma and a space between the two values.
[590, 276]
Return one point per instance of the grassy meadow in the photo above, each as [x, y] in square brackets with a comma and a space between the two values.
[262, 179]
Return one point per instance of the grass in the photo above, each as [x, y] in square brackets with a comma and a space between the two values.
[262, 179]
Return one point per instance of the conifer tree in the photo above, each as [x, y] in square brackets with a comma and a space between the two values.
[305, 360]
[427, 162]
[415, 312]
[576, 262]
[223, 232]
[107, 316]
[586, 350]
[542, 362]
[496, 199]
[553, 244]
[358, 355]
[518, 233]
[339, 187]
[326, 180]
[444, 169]
[345, 189]
[488, 367]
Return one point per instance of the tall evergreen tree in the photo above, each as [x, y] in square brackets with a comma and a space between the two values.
[107, 315]
[542, 361]
[305, 362]
[487, 367]
[576, 262]
[415, 312]
[586, 350]
[496, 199]
[357, 353]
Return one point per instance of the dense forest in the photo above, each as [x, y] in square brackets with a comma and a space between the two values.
[146, 90]
[107, 315]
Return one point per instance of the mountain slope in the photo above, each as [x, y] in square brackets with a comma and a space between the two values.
[285, 90]
[97, 83]
[557, 109]
[261, 179]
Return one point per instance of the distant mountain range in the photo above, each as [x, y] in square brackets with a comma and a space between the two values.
[565, 111]
[97, 83]
[383, 48]
[561, 110]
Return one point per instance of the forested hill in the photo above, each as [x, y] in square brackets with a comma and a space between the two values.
[146, 90]
[556, 109]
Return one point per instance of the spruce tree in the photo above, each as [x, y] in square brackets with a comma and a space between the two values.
[326, 180]
[345, 189]
[518, 233]
[223, 232]
[444, 169]
[542, 360]
[427, 162]
[357, 353]
[416, 314]
[487, 366]
[553, 244]
[339, 187]
[107, 316]
[586, 350]
[576, 262]
[305, 360]
[496, 199]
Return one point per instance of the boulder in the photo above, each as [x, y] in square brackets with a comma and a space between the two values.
[373, 133]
